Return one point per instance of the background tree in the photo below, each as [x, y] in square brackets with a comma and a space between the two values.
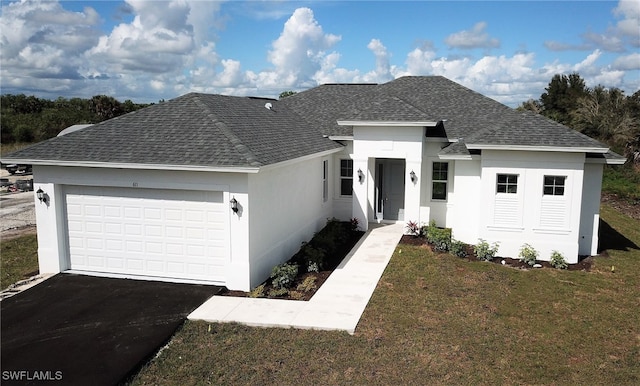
[562, 96]
[30, 119]
[285, 94]
[604, 114]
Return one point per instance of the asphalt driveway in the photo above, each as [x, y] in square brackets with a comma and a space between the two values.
[83, 330]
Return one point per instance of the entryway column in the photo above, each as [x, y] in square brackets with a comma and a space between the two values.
[412, 190]
[362, 179]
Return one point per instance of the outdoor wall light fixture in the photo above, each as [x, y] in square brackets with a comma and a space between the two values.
[413, 176]
[42, 196]
[234, 205]
[360, 175]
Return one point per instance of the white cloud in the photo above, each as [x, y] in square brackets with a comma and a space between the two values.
[476, 37]
[629, 26]
[614, 39]
[627, 62]
[588, 63]
[156, 41]
[299, 51]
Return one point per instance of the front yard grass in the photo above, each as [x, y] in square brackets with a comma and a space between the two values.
[19, 259]
[437, 319]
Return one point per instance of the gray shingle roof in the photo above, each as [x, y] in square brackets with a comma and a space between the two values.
[323, 105]
[201, 130]
[192, 130]
[525, 128]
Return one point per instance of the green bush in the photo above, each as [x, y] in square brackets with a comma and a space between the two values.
[485, 252]
[308, 284]
[439, 238]
[558, 261]
[257, 292]
[458, 248]
[528, 254]
[278, 292]
[314, 258]
[283, 275]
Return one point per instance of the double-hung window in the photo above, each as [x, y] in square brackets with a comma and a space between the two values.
[439, 178]
[507, 183]
[346, 177]
[553, 185]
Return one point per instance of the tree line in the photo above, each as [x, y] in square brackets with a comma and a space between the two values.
[31, 119]
[604, 114]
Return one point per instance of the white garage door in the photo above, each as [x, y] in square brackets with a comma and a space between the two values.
[171, 234]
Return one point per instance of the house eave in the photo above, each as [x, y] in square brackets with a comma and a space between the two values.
[561, 149]
[124, 165]
[301, 159]
[388, 123]
[607, 161]
[459, 157]
[341, 137]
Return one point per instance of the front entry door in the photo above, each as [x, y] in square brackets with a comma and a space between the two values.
[390, 179]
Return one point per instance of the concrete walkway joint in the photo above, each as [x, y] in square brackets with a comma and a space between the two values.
[339, 302]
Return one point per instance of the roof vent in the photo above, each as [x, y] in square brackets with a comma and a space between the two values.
[268, 106]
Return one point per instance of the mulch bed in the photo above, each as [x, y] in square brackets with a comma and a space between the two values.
[320, 277]
[584, 263]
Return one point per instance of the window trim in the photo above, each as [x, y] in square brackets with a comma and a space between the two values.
[444, 181]
[348, 176]
[556, 189]
[325, 180]
[507, 184]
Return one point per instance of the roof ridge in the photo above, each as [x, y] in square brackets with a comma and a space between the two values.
[229, 134]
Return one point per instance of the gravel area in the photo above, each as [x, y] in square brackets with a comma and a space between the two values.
[17, 210]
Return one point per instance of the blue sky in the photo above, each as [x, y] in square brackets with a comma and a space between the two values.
[147, 51]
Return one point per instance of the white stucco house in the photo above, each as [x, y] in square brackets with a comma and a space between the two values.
[219, 189]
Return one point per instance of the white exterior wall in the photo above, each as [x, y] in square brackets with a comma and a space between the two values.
[342, 205]
[371, 142]
[548, 223]
[287, 208]
[53, 252]
[435, 209]
[465, 201]
[590, 213]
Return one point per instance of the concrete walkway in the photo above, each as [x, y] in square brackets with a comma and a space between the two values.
[338, 304]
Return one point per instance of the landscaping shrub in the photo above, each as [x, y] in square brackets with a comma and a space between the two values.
[258, 292]
[439, 238]
[308, 284]
[485, 252]
[278, 292]
[413, 228]
[558, 261]
[528, 254]
[296, 295]
[355, 225]
[458, 248]
[314, 258]
[283, 275]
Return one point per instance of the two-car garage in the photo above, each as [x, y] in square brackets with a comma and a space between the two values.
[156, 233]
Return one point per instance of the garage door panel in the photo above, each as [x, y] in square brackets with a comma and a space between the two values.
[163, 233]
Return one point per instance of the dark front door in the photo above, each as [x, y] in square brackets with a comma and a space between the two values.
[390, 180]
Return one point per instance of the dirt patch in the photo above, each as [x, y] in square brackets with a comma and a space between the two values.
[631, 209]
[18, 232]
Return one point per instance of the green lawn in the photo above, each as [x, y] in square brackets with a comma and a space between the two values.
[19, 259]
[436, 319]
